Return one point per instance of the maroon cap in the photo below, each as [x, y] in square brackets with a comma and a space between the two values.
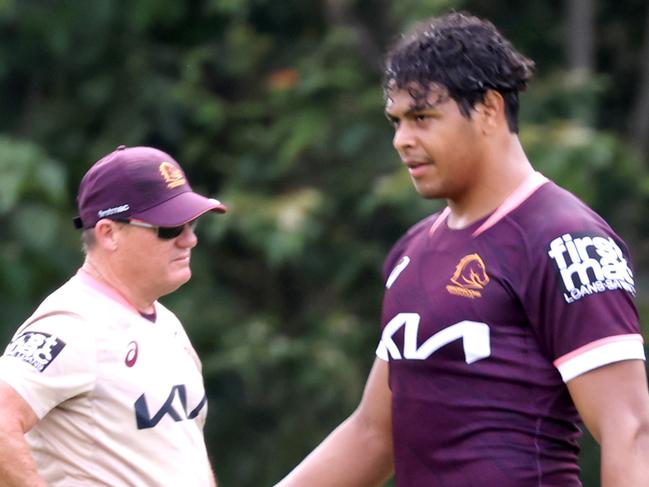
[143, 183]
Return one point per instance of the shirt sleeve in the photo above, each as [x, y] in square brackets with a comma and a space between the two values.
[580, 300]
[50, 361]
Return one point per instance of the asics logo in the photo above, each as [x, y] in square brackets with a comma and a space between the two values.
[131, 354]
[398, 269]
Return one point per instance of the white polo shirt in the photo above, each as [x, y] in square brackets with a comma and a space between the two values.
[120, 399]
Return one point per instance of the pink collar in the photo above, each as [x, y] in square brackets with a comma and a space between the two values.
[103, 288]
[533, 182]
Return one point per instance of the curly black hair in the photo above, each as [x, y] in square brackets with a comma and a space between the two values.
[464, 54]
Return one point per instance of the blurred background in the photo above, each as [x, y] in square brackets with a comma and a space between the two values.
[275, 107]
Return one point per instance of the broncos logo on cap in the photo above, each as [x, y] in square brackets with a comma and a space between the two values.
[469, 277]
[172, 175]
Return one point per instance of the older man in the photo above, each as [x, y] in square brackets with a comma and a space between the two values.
[101, 385]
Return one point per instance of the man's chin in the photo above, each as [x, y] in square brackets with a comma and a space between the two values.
[179, 278]
[427, 192]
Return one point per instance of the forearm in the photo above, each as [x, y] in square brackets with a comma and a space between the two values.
[618, 419]
[17, 466]
[213, 481]
[625, 463]
[353, 455]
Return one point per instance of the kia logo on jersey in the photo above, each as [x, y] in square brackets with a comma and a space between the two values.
[175, 407]
[131, 354]
[475, 336]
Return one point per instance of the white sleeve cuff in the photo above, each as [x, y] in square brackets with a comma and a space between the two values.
[598, 353]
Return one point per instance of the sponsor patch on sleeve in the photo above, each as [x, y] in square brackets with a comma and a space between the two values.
[589, 264]
[36, 348]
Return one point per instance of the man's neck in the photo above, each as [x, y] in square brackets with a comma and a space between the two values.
[107, 276]
[501, 173]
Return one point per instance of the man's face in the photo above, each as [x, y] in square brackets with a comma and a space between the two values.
[154, 266]
[439, 146]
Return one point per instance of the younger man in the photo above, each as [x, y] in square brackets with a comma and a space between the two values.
[506, 316]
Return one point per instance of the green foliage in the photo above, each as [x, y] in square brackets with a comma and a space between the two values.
[601, 169]
[565, 95]
[411, 11]
[276, 108]
[27, 172]
[33, 201]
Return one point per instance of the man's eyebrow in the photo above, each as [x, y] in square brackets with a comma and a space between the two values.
[423, 104]
[422, 107]
[412, 110]
[389, 115]
[418, 106]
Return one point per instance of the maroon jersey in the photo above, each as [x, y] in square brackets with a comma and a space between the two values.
[483, 327]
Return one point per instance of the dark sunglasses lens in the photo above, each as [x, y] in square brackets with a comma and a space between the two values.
[167, 233]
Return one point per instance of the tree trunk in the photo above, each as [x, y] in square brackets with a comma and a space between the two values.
[340, 13]
[580, 36]
[638, 132]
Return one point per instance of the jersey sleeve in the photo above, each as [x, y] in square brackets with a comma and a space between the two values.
[580, 300]
[50, 360]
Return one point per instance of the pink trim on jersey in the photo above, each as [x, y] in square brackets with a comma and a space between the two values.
[440, 219]
[110, 292]
[596, 344]
[533, 182]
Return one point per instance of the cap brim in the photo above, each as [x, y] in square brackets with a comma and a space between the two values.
[180, 209]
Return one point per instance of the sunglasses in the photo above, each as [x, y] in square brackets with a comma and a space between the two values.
[164, 233]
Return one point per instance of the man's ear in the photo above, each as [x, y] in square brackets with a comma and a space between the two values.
[491, 111]
[106, 234]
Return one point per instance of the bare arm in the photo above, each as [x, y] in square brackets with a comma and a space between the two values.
[17, 467]
[359, 452]
[213, 480]
[613, 402]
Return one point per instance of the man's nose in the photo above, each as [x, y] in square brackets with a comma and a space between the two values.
[403, 138]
